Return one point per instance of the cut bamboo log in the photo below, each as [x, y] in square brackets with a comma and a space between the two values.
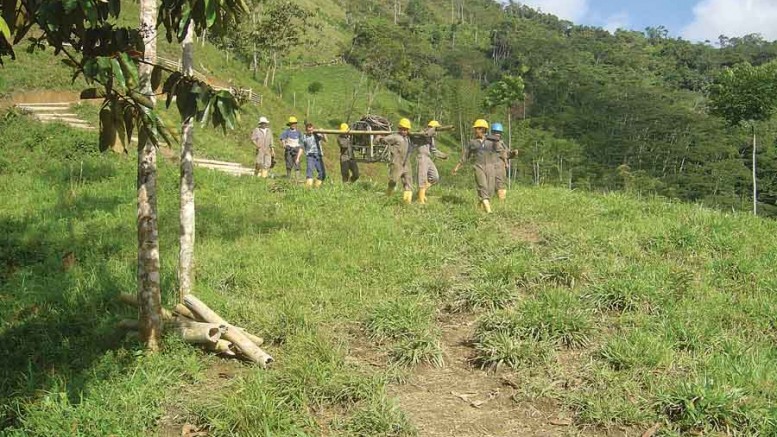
[376, 132]
[222, 347]
[181, 309]
[199, 333]
[132, 300]
[245, 345]
[257, 340]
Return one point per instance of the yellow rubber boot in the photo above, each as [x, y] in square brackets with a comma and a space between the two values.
[487, 206]
[407, 197]
[309, 182]
[265, 173]
[502, 194]
[422, 196]
[318, 183]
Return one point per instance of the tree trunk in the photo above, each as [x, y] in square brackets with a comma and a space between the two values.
[755, 180]
[149, 291]
[509, 146]
[186, 212]
[274, 68]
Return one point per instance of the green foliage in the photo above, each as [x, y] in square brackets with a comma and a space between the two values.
[745, 93]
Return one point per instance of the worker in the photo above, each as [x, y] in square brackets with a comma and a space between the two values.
[485, 152]
[290, 138]
[349, 169]
[427, 171]
[314, 155]
[500, 165]
[399, 148]
[262, 139]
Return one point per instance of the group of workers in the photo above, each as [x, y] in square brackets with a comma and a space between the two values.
[488, 153]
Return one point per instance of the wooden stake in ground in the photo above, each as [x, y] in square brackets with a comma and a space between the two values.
[245, 345]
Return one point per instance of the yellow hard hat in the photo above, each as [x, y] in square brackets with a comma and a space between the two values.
[344, 127]
[292, 119]
[404, 123]
[481, 123]
[433, 123]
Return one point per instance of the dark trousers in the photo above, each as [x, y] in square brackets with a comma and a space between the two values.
[349, 169]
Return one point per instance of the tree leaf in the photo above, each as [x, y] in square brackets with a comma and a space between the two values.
[129, 120]
[227, 112]
[107, 128]
[130, 70]
[118, 125]
[118, 74]
[5, 32]
[210, 12]
[92, 93]
[156, 77]
[141, 99]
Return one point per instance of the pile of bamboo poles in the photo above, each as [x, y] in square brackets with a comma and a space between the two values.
[197, 324]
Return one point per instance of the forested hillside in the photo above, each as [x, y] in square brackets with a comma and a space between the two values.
[602, 111]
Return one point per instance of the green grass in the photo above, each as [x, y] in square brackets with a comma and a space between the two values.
[625, 312]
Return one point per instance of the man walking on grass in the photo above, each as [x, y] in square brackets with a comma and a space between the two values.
[314, 155]
[262, 139]
[290, 138]
[400, 148]
[349, 169]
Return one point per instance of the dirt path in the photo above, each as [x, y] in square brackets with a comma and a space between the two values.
[461, 400]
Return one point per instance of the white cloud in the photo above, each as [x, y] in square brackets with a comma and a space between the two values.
[616, 21]
[713, 18]
[572, 10]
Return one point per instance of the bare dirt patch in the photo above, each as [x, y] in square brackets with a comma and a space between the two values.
[461, 400]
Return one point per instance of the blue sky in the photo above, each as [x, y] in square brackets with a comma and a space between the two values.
[696, 20]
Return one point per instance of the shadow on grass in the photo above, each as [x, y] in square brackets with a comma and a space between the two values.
[57, 307]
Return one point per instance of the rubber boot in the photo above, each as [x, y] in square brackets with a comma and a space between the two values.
[407, 197]
[487, 206]
[256, 170]
[422, 196]
[265, 173]
[297, 175]
[390, 190]
[288, 173]
[318, 183]
[502, 194]
[308, 182]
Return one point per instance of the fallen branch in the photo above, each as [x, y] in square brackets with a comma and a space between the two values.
[245, 345]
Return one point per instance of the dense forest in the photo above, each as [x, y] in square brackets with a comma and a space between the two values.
[600, 111]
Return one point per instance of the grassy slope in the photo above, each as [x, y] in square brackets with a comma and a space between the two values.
[648, 311]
